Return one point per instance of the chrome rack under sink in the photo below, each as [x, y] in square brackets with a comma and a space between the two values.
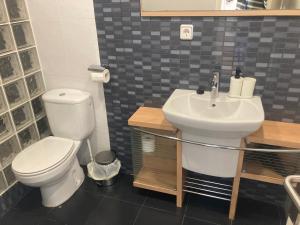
[208, 187]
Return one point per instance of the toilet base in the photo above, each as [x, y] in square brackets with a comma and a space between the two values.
[57, 193]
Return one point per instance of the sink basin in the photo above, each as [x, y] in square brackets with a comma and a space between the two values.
[231, 117]
[224, 121]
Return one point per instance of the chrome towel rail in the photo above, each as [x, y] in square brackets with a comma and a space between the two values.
[224, 147]
[288, 184]
[291, 185]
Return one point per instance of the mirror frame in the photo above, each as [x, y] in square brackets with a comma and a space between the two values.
[194, 13]
[188, 13]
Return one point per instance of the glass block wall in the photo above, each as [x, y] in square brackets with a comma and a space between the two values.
[22, 116]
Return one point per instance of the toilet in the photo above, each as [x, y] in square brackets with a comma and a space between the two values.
[51, 163]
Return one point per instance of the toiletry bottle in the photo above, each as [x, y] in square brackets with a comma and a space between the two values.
[236, 83]
[248, 87]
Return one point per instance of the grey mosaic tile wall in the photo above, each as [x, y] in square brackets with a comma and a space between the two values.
[148, 61]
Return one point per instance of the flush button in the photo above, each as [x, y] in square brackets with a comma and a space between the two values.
[62, 94]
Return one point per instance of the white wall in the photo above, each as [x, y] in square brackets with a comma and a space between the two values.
[66, 37]
[291, 4]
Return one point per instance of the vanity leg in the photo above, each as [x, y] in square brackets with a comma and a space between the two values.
[180, 173]
[236, 185]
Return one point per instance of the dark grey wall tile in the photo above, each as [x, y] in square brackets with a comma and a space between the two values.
[148, 61]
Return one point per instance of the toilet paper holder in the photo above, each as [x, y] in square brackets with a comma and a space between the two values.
[99, 74]
[98, 68]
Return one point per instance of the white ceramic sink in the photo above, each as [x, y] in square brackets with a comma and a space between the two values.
[225, 123]
[230, 117]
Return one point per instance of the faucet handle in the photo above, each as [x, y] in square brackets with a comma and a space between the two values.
[216, 75]
[215, 79]
[214, 82]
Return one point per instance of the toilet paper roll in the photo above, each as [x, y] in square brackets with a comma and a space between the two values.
[248, 87]
[101, 77]
[148, 143]
[235, 86]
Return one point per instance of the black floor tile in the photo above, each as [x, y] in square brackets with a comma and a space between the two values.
[32, 203]
[17, 217]
[112, 211]
[251, 212]
[90, 186]
[122, 204]
[45, 221]
[124, 190]
[163, 202]
[208, 209]
[193, 221]
[149, 216]
[283, 214]
[77, 209]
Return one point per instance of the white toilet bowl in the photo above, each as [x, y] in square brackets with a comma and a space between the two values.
[52, 165]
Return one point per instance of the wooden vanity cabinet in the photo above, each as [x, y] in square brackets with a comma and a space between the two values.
[275, 135]
[159, 168]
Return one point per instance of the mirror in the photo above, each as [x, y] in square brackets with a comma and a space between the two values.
[220, 7]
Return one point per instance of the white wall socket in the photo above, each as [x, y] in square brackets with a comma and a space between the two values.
[186, 31]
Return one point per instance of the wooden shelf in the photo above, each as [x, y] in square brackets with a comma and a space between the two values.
[274, 133]
[197, 13]
[277, 134]
[162, 169]
[151, 118]
[256, 171]
[156, 180]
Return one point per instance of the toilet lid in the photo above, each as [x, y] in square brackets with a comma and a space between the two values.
[42, 155]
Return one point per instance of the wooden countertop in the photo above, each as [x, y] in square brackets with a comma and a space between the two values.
[151, 118]
[272, 132]
[278, 134]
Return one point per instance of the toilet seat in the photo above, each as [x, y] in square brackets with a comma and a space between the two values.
[43, 156]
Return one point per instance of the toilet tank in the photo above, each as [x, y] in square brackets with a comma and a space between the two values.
[70, 113]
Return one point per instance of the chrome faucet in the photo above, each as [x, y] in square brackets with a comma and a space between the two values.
[214, 88]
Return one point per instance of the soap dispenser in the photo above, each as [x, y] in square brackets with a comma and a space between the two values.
[236, 83]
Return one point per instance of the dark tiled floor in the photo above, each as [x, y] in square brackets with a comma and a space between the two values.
[122, 204]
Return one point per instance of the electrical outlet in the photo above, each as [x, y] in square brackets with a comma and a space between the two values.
[186, 32]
